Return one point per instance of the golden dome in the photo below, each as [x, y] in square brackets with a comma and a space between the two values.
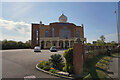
[62, 18]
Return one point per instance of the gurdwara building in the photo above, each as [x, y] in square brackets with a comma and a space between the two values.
[60, 34]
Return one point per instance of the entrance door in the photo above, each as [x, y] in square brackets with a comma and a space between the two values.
[61, 44]
[42, 45]
[66, 44]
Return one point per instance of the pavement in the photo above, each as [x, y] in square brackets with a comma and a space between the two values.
[114, 68]
[21, 62]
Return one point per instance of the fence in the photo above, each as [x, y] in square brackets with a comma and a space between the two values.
[91, 51]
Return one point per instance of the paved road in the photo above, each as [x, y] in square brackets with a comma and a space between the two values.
[114, 67]
[21, 62]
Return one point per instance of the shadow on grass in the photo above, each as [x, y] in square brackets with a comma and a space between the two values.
[90, 64]
[89, 67]
[108, 72]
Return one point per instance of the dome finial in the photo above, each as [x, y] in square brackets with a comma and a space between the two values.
[62, 18]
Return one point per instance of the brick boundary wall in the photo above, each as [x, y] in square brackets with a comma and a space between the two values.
[78, 49]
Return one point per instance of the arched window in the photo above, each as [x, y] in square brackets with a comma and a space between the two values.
[68, 33]
[64, 33]
[78, 34]
[47, 33]
[37, 37]
[52, 32]
[61, 33]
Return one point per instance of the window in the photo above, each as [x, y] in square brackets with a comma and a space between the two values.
[78, 34]
[68, 33]
[47, 33]
[52, 32]
[60, 33]
[64, 33]
[37, 36]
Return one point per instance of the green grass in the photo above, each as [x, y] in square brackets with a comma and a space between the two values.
[96, 67]
[103, 63]
[100, 74]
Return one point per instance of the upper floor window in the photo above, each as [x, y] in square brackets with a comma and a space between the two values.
[68, 34]
[61, 33]
[52, 32]
[64, 33]
[47, 33]
[78, 34]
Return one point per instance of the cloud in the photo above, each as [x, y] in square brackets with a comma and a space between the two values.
[21, 27]
[10, 27]
[111, 37]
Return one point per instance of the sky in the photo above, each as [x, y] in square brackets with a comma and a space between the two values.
[98, 18]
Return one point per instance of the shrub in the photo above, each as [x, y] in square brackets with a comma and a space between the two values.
[56, 61]
[115, 50]
[44, 65]
[47, 63]
[52, 71]
[47, 67]
[40, 65]
[68, 54]
[96, 53]
[63, 69]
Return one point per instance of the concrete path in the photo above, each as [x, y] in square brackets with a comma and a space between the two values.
[114, 67]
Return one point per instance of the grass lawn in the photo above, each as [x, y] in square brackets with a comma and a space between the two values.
[96, 67]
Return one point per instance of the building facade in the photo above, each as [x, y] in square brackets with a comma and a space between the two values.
[61, 34]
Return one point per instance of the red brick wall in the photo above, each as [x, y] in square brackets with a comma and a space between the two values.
[34, 35]
[77, 58]
[69, 26]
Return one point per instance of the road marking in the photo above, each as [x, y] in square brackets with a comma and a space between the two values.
[29, 77]
[13, 50]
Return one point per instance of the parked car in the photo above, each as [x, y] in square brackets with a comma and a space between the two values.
[37, 49]
[53, 49]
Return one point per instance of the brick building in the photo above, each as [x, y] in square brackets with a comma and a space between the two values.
[61, 34]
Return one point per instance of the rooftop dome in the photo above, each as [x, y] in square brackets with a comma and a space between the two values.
[62, 18]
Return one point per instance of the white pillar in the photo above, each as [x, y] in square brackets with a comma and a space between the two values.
[51, 43]
[58, 44]
[63, 43]
[69, 43]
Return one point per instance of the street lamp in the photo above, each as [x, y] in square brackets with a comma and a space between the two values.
[117, 27]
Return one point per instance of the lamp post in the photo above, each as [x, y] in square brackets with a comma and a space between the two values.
[117, 27]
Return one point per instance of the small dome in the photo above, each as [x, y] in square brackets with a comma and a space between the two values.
[62, 18]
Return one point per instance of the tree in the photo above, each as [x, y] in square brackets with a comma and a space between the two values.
[113, 43]
[28, 44]
[99, 42]
[102, 38]
[87, 43]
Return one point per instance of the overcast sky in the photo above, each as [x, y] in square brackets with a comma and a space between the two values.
[98, 18]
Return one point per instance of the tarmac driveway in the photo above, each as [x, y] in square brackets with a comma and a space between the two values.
[21, 62]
